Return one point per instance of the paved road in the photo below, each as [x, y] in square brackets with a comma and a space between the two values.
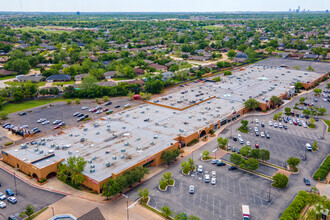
[26, 195]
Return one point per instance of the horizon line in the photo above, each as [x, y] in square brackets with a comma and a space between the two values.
[294, 12]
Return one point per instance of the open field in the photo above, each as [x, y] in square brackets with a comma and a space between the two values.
[16, 107]
[46, 29]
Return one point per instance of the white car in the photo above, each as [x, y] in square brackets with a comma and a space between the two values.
[41, 120]
[257, 121]
[308, 147]
[256, 129]
[191, 189]
[214, 174]
[98, 112]
[280, 125]
[200, 169]
[290, 122]
[270, 123]
[127, 105]
[84, 108]
[305, 126]
[213, 181]
[262, 134]
[3, 205]
[45, 122]
[207, 178]
[275, 125]
[239, 136]
[248, 143]
[25, 126]
[2, 196]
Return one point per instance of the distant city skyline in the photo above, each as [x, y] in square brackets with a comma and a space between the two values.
[161, 6]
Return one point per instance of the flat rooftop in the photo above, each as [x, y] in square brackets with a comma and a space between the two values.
[121, 140]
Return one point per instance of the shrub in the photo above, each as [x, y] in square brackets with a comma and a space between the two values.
[8, 143]
[294, 209]
[217, 79]
[226, 73]
[194, 141]
[77, 101]
[323, 170]
[3, 115]
[280, 180]
[68, 101]
[42, 180]
[106, 98]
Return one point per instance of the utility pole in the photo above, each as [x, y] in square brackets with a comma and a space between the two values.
[15, 183]
[270, 186]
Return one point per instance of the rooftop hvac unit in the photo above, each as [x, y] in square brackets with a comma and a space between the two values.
[122, 156]
[185, 123]
[51, 151]
[92, 171]
[70, 135]
[126, 144]
[57, 147]
[41, 151]
[93, 158]
[114, 157]
[70, 152]
[107, 164]
[123, 150]
[107, 152]
[152, 143]
[138, 139]
[85, 129]
[92, 166]
[52, 145]
[90, 161]
[138, 148]
[36, 149]
[82, 139]
[155, 136]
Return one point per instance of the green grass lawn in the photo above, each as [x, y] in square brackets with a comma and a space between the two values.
[13, 83]
[328, 123]
[211, 27]
[120, 78]
[45, 29]
[7, 77]
[16, 107]
[63, 83]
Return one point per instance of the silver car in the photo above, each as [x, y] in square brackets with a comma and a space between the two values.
[191, 189]
[213, 181]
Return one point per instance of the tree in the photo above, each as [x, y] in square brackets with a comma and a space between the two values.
[205, 154]
[20, 65]
[255, 153]
[236, 159]
[244, 124]
[231, 53]
[169, 155]
[315, 147]
[275, 100]
[306, 112]
[3, 115]
[301, 100]
[154, 86]
[251, 104]
[167, 212]
[199, 74]
[298, 86]
[54, 91]
[245, 151]
[293, 162]
[227, 73]
[167, 176]
[222, 142]
[191, 163]
[110, 189]
[321, 111]
[287, 110]
[89, 82]
[277, 115]
[280, 180]
[297, 67]
[121, 181]
[309, 68]
[317, 91]
[29, 210]
[43, 91]
[144, 194]
[264, 155]
[77, 101]
[106, 98]
[328, 85]
[251, 164]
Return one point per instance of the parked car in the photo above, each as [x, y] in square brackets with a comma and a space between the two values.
[57, 127]
[257, 120]
[22, 113]
[308, 147]
[98, 112]
[275, 125]
[232, 168]
[262, 125]
[213, 181]
[3, 205]
[307, 182]
[256, 145]
[214, 161]
[45, 122]
[280, 125]
[285, 127]
[12, 217]
[234, 138]
[256, 129]
[117, 106]
[9, 192]
[41, 120]
[108, 103]
[84, 108]
[257, 133]
[270, 123]
[61, 124]
[241, 141]
[248, 143]
[76, 113]
[207, 178]
[200, 169]
[262, 134]
[191, 189]
[2, 196]
[12, 200]
[239, 136]
[221, 163]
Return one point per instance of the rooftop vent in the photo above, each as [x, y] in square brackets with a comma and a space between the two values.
[92, 171]
[92, 166]
[93, 158]
[107, 152]
[107, 164]
[123, 150]
[126, 144]
[70, 152]
[90, 161]
[122, 156]
[155, 136]
[114, 157]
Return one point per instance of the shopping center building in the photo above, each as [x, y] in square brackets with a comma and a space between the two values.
[138, 136]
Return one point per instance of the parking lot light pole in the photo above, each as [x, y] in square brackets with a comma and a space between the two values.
[270, 186]
[126, 205]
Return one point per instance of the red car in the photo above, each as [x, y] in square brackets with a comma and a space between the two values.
[257, 145]
[57, 127]
[94, 110]
[104, 110]
[295, 123]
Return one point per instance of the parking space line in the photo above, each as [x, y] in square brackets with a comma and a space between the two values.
[213, 205]
[254, 198]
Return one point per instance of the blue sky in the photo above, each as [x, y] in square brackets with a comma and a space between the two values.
[160, 5]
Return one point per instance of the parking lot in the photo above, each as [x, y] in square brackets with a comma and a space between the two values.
[235, 188]
[62, 111]
[26, 195]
